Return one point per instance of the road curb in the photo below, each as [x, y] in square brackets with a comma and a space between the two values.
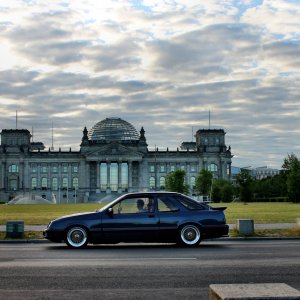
[227, 239]
[18, 241]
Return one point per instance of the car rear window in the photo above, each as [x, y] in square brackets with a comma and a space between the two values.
[190, 204]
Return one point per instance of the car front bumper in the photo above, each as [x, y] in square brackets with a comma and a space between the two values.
[54, 235]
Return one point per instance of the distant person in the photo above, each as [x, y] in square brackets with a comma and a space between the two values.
[140, 206]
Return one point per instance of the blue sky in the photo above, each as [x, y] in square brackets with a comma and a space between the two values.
[160, 64]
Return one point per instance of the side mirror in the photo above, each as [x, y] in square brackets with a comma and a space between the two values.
[110, 211]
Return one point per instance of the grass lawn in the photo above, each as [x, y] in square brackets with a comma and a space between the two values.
[41, 214]
[273, 212]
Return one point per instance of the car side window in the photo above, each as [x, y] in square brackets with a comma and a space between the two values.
[190, 204]
[166, 204]
[134, 205]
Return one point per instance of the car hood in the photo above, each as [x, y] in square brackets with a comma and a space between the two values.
[76, 216]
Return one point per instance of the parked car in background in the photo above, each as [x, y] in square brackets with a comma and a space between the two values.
[142, 217]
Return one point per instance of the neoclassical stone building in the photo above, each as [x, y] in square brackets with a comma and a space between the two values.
[113, 158]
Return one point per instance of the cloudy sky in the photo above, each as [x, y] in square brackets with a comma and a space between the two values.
[160, 64]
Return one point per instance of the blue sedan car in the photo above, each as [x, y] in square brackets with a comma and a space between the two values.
[142, 217]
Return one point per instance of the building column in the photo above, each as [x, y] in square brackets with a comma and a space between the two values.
[49, 177]
[20, 184]
[188, 175]
[38, 177]
[156, 169]
[108, 189]
[143, 176]
[3, 175]
[98, 178]
[129, 176]
[119, 176]
[87, 178]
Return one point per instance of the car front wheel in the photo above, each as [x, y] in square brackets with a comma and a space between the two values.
[190, 235]
[77, 237]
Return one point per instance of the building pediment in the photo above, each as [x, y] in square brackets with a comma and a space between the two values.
[113, 151]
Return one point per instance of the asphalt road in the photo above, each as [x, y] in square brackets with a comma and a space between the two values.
[139, 271]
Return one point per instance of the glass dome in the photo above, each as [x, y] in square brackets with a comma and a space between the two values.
[113, 129]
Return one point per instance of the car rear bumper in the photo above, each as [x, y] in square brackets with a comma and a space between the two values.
[215, 231]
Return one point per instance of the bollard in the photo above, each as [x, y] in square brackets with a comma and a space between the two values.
[245, 227]
[15, 229]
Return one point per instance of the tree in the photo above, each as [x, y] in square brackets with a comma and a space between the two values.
[245, 184]
[175, 182]
[203, 182]
[292, 166]
[271, 186]
[289, 162]
[216, 192]
[222, 191]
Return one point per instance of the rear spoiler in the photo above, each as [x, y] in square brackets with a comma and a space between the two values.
[218, 208]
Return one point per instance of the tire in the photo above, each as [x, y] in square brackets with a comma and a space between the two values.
[76, 237]
[189, 235]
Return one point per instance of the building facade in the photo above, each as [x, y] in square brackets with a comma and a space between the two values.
[265, 172]
[113, 158]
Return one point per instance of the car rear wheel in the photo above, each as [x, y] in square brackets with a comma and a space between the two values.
[190, 235]
[77, 237]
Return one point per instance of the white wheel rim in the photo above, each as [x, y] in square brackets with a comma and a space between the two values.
[77, 237]
[190, 234]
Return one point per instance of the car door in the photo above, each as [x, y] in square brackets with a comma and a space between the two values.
[129, 221]
[169, 217]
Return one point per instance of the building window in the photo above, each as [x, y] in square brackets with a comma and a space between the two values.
[75, 169]
[103, 176]
[152, 183]
[33, 183]
[65, 184]
[193, 168]
[182, 167]
[193, 182]
[65, 169]
[44, 169]
[54, 169]
[162, 168]
[217, 141]
[114, 172]
[162, 183]
[152, 168]
[33, 168]
[124, 177]
[54, 184]
[75, 183]
[13, 169]
[213, 167]
[44, 183]
[13, 184]
[228, 169]
[172, 168]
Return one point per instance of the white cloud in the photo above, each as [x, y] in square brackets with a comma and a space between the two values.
[157, 64]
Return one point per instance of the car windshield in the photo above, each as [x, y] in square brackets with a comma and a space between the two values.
[109, 204]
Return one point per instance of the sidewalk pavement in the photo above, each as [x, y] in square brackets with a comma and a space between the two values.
[231, 226]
